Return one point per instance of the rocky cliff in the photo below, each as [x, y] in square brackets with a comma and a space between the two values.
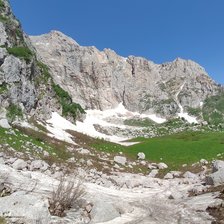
[102, 79]
[26, 86]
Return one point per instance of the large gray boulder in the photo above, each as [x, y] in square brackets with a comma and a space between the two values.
[216, 178]
[39, 165]
[217, 165]
[19, 164]
[25, 208]
[103, 212]
[120, 160]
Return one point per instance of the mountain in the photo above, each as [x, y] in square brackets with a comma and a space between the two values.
[26, 86]
[102, 79]
[53, 171]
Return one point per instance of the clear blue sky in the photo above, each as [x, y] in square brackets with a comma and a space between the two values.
[159, 30]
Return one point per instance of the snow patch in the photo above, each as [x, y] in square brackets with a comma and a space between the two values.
[188, 118]
[58, 125]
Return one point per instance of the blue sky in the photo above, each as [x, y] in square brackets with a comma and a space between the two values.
[159, 30]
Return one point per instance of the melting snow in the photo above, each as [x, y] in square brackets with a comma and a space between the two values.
[58, 125]
[186, 116]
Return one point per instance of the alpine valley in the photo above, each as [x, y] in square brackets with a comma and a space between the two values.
[88, 136]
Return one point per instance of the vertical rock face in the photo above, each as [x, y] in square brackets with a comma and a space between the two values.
[22, 82]
[102, 79]
[17, 70]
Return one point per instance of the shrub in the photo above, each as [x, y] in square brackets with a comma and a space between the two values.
[21, 52]
[14, 111]
[2, 4]
[3, 88]
[64, 197]
[68, 107]
[2, 220]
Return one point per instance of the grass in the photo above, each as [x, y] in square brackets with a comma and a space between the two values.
[21, 52]
[45, 75]
[14, 111]
[3, 88]
[213, 109]
[2, 220]
[139, 122]
[33, 142]
[174, 150]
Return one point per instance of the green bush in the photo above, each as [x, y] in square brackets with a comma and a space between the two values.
[14, 111]
[213, 109]
[68, 107]
[194, 111]
[3, 87]
[1, 4]
[21, 52]
[45, 75]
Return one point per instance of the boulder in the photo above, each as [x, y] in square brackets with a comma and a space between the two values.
[190, 175]
[38, 165]
[216, 178]
[4, 123]
[162, 166]
[168, 176]
[153, 173]
[120, 160]
[84, 151]
[216, 165]
[141, 155]
[103, 212]
[25, 208]
[203, 161]
[19, 164]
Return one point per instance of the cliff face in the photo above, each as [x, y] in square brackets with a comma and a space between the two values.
[94, 79]
[25, 83]
[17, 68]
[102, 79]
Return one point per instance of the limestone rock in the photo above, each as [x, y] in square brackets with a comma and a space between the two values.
[104, 79]
[217, 165]
[141, 155]
[120, 160]
[19, 164]
[39, 165]
[25, 208]
[162, 166]
[4, 123]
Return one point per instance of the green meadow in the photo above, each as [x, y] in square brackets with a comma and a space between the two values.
[174, 150]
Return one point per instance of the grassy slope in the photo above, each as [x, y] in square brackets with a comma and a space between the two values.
[175, 150]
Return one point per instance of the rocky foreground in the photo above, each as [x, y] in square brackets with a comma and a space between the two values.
[27, 190]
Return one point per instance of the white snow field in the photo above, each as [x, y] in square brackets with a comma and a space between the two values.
[58, 125]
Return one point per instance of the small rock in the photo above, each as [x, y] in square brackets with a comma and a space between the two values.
[4, 123]
[190, 175]
[203, 161]
[162, 166]
[120, 160]
[46, 154]
[168, 176]
[153, 173]
[39, 165]
[84, 151]
[19, 164]
[141, 155]
[89, 163]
